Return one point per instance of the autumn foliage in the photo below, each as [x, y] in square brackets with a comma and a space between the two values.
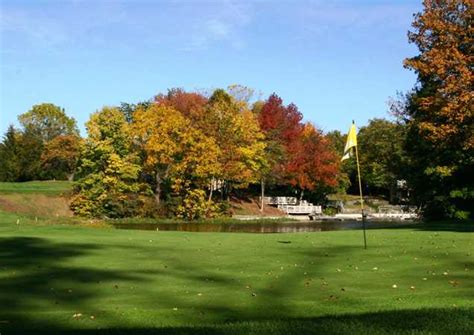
[444, 34]
[298, 153]
[439, 111]
[180, 154]
[313, 164]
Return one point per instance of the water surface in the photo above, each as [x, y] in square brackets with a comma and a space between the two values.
[290, 227]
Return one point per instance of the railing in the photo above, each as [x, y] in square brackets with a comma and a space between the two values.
[280, 200]
[301, 209]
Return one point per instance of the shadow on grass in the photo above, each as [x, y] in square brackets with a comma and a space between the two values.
[422, 321]
[38, 275]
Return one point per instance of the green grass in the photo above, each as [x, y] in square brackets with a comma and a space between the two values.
[146, 282]
[43, 187]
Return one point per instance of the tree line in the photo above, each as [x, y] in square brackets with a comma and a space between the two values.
[181, 153]
[185, 153]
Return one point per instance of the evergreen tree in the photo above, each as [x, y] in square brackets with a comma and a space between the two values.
[9, 162]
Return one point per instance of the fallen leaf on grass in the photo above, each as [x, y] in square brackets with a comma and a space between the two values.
[331, 298]
[454, 283]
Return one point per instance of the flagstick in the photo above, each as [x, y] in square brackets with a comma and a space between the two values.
[361, 198]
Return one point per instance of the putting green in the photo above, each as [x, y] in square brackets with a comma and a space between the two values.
[70, 278]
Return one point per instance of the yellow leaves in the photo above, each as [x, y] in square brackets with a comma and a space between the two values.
[161, 130]
[110, 186]
[108, 123]
[440, 171]
[195, 206]
[224, 143]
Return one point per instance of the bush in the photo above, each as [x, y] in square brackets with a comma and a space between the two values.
[196, 206]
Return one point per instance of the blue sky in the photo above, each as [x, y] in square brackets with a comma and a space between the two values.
[336, 60]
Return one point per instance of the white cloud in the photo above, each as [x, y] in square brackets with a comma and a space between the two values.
[91, 24]
[218, 28]
[222, 23]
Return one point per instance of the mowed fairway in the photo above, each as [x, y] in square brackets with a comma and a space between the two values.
[56, 278]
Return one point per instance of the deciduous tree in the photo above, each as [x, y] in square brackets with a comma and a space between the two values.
[174, 150]
[109, 185]
[190, 104]
[60, 156]
[382, 157]
[48, 121]
[237, 134]
[439, 112]
[313, 163]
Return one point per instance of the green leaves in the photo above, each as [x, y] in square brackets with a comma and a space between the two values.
[48, 121]
[109, 186]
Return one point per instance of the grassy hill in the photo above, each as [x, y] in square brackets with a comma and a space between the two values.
[36, 199]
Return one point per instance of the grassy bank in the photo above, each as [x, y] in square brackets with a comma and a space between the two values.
[38, 187]
[38, 201]
[49, 199]
[71, 279]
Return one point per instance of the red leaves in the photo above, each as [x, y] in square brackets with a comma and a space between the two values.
[313, 163]
[306, 159]
[279, 122]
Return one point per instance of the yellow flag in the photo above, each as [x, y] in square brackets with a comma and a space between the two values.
[351, 142]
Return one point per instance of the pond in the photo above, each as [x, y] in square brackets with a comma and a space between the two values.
[290, 227]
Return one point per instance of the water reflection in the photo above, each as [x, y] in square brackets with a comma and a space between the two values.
[292, 227]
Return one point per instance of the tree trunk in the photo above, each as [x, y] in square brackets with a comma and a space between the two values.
[262, 184]
[301, 196]
[211, 189]
[158, 188]
[70, 176]
[391, 194]
[228, 189]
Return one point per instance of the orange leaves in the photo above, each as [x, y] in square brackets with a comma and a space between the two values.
[61, 153]
[444, 36]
